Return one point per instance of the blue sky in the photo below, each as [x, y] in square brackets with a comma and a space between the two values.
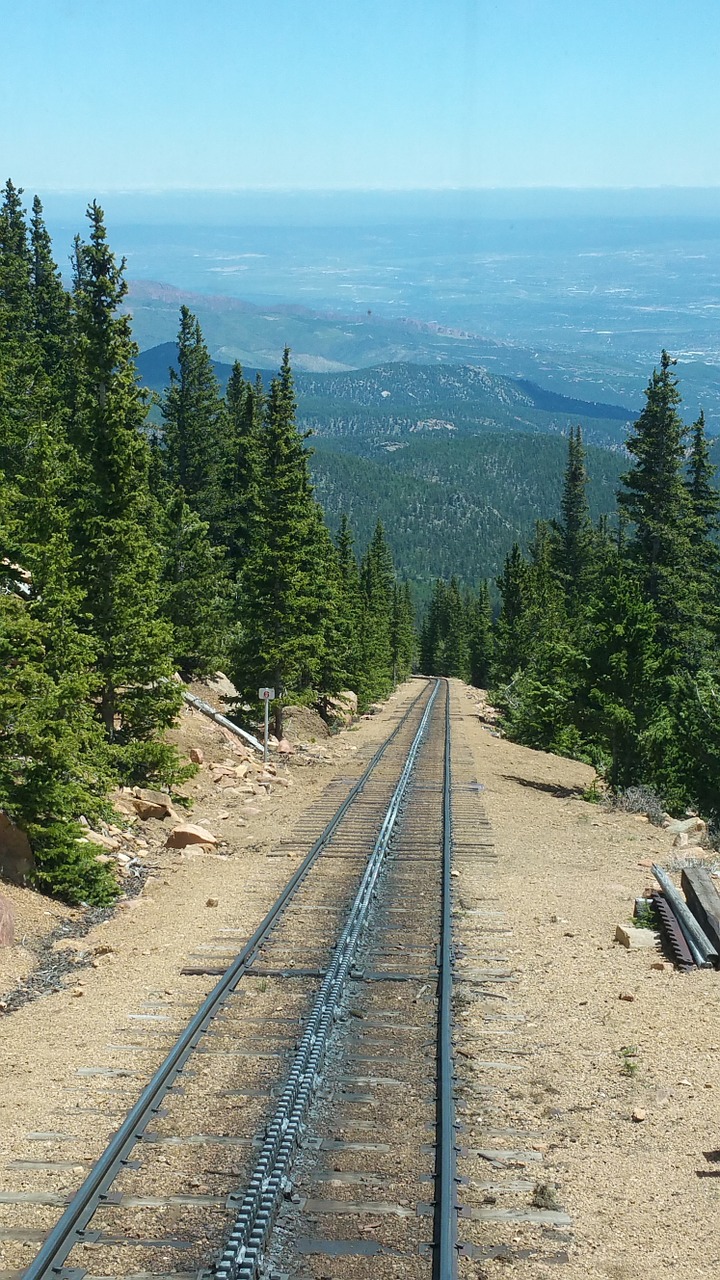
[101, 95]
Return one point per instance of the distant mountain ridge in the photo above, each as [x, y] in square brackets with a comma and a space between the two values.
[373, 407]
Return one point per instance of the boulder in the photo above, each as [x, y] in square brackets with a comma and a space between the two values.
[284, 748]
[222, 687]
[675, 826]
[187, 833]
[152, 804]
[341, 710]
[7, 923]
[197, 755]
[16, 855]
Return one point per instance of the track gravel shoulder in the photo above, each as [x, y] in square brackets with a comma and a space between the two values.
[72, 1062]
[642, 1195]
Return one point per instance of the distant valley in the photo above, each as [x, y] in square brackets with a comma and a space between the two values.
[458, 463]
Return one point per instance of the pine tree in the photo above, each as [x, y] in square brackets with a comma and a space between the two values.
[513, 641]
[196, 431]
[282, 614]
[117, 562]
[617, 675]
[195, 590]
[456, 642]
[50, 307]
[239, 467]
[377, 580]
[349, 606]
[656, 499]
[403, 637]
[705, 523]
[575, 547]
[20, 358]
[480, 636]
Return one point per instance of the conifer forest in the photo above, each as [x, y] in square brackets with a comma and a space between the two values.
[136, 546]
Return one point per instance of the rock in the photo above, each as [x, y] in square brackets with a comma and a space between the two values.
[121, 800]
[635, 939]
[188, 833]
[78, 992]
[646, 863]
[7, 923]
[341, 710]
[375, 708]
[223, 688]
[626, 995]
[676, 826]
[681, 840]
[663, 966]
[152, 804]
[105, 842]
[197, 755]
[284, 748]
[16, 855]
[146, 810]
[639, 1114]
[211, 902]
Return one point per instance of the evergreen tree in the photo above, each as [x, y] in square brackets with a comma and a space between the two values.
[377, 581]
[349, 606]
[239, 471]
[50, 306]
[195, 590]
[480, 636]
[574, 551]
[403, 631]
[617, 675]
[513, 640]
[282, 640]
[196, 431]
[117, 562]
[656, 499]
[705, 523]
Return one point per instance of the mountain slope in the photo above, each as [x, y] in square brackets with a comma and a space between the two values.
[369, 408]
[456, 506]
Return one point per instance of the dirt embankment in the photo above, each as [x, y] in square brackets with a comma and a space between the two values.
[608, 1034]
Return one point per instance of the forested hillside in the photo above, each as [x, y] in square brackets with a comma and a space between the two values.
[129, 555]
[456, 506]
[370, 408]
[606, 643]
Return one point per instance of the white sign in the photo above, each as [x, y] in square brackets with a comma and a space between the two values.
[266, 695]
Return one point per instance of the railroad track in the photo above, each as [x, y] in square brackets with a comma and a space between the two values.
[228, 1106]
[304, 1123]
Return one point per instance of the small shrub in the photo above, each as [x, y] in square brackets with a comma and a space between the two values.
[639, 800]
[68, 870]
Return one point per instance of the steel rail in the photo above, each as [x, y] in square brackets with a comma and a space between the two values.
[445, 1255]
[243, 1254]
[67, 1232]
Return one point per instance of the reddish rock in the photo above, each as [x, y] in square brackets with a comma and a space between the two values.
[284, 748]
[197, 755]
[188, 833]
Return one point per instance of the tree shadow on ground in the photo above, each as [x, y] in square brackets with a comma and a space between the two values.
[550, 788]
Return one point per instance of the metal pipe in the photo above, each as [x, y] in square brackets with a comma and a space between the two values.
[207, 710]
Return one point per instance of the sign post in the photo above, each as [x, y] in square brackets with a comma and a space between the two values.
[266, 696]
